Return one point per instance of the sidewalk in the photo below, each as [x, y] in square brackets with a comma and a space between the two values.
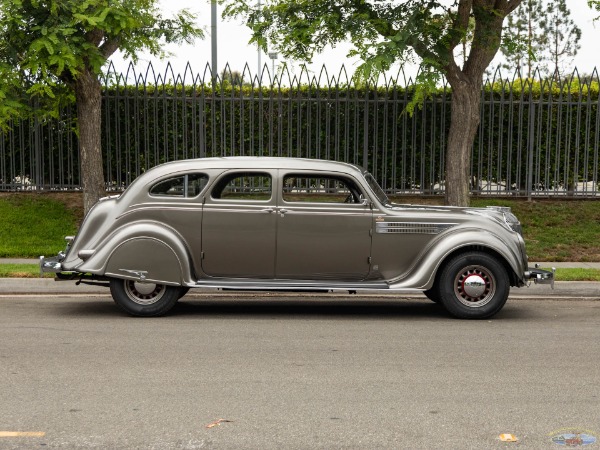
[573, 290]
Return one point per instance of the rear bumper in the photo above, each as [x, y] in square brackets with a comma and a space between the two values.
[540, 276]
[51, 265]
[54, 263]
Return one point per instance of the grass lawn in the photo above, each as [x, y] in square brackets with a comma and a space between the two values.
[33, 271]
[32, 224]
[22, 271]
[558, 230]
[554, 230]
[35, 224]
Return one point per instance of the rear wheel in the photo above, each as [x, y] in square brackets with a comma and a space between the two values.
[143, 299]
[473, 286]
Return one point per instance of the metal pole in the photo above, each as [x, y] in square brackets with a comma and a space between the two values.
[273, 56]
[213, 39]
[530, 149]
[259, 75]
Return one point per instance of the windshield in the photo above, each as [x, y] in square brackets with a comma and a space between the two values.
[377, 189]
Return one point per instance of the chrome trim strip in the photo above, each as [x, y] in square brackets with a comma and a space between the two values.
[141, 274]
[412, 227]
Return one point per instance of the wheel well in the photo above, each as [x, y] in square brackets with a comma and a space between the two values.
[514, 280]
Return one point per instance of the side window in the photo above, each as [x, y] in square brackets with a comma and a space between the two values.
[244, 186]
[319, 189]
[181, 186]
[195, 183]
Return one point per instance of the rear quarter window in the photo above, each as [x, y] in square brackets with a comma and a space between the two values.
[182, 186]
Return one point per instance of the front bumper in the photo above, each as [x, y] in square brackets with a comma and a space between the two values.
[540, 276]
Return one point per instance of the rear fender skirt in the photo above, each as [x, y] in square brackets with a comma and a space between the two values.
[142, 247]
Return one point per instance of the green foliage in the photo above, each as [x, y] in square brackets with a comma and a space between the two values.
[147, 125]
[381, 33]
[595, 5]
[46, 45]
[386, 33]
[562, 43]
[525, 37]
[540, 34]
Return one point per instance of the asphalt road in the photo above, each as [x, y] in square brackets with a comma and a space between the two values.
[290, 372]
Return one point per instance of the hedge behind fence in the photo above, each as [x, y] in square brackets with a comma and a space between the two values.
[539, 136]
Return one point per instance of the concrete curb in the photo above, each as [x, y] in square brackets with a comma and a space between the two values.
[36, 286]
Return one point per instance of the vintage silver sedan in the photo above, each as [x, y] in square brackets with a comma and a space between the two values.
[258, 223]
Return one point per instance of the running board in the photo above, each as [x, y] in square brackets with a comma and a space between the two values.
[289, 285]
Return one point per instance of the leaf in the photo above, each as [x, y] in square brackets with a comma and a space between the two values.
[217, 423]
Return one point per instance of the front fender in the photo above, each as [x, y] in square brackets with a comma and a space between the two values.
[421, 275]
[141, 247]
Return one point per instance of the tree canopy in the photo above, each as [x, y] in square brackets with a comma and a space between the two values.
[595, 4]
[53, 51]
[386, 32]
[540, 34]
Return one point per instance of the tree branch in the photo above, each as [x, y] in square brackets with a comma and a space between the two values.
[94, 36]
[460, 24]
[110, 46]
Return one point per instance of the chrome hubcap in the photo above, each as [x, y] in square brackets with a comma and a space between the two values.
[144, 293]
[474, 286]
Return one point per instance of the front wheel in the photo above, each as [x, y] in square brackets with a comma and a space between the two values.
[143, 299]
[473, 286]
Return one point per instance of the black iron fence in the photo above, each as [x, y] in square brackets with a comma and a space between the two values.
[537, 137]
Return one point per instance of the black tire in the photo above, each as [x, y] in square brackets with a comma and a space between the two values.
[183, 290]
[143, 299]
[473, 285]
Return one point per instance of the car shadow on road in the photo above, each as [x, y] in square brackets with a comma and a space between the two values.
[312, 308]
[269, 307]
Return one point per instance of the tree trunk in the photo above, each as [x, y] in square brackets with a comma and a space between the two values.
[88, 92]
[465, 117]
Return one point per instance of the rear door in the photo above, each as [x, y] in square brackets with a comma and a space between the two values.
[239, 226]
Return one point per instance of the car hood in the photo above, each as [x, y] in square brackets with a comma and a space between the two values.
[501, 214]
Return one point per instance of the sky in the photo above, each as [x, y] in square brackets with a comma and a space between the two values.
[233, 48]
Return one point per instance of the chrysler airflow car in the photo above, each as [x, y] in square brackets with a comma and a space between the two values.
[277, 224]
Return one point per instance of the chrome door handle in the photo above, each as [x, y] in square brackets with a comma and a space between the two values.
[282, 211]
[268, 210]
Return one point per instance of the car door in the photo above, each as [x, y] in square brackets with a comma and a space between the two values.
[239, 226]
[323, 228]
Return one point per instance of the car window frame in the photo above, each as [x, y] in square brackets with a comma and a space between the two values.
[231, 174]
[345, 178]
[185, 176]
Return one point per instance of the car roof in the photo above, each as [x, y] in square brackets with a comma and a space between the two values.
[253, 163]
